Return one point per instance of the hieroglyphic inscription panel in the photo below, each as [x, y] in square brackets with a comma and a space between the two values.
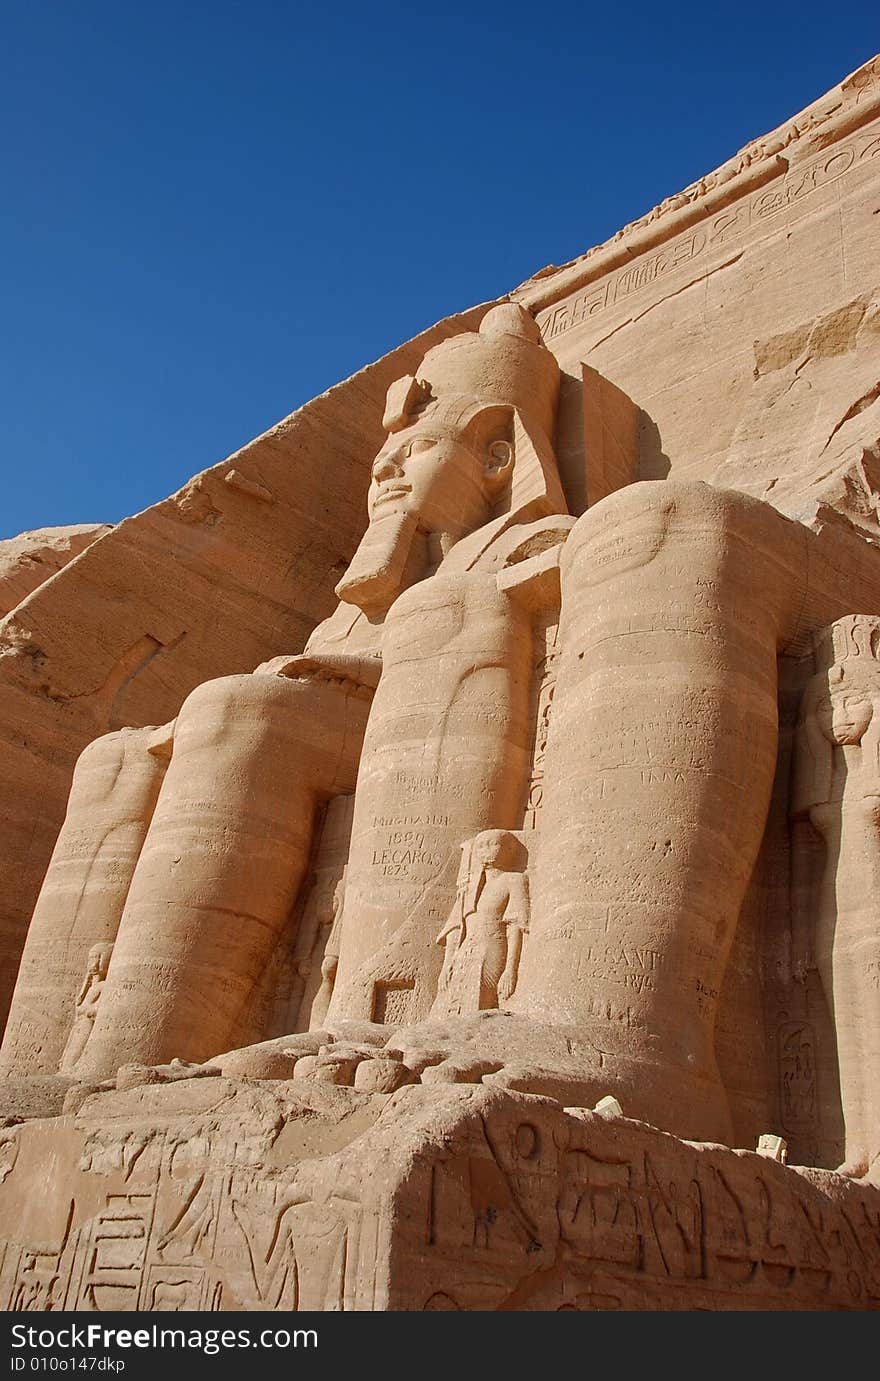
[717, 232]
[156, 1223]
[639, 1221]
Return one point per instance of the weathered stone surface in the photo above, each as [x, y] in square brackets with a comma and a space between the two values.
[29, 559]
[570, 803]
[764, 275]
[234, 1196]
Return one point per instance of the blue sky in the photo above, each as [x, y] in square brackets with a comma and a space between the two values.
[213, 211]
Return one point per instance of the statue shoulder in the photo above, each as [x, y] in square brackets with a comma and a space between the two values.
[349, 630]
[507, 542]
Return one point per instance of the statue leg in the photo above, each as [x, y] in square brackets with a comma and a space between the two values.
[222, 864]
[321, 1004]
[848, 959]
[659, 769]
[112, 797]
[446, 755]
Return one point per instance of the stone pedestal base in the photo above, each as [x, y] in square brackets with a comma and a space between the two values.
[223, 1194]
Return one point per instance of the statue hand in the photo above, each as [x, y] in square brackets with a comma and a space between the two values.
[361, 671]
[281, 666]
[506, 985]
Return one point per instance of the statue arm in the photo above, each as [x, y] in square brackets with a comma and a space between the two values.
[346, 646]
[89, 1001]
[453, 924]
[813, 756]
[516, 914]
[507, 981]
[83, 994]
[807, 860]
[516, 918]
[360, 670]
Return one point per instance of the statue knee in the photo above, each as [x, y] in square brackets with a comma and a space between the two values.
[238, 704]
[227, 693]
[687, 539]
[275, 722]
[108, 748]
[650, 512]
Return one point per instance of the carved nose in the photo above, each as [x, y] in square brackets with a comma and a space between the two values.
[385, 468]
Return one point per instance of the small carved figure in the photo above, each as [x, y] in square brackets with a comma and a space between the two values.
[483, 935]
[330, 958]
[837, 786]
[86, 1006]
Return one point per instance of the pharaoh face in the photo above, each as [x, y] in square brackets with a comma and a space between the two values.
[851, 710]
[431, 473]
[437, 478]
[99, 960]
[494, 848]
[844, 706]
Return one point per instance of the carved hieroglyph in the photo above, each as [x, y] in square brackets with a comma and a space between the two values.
[474, 1200]
[519, 818]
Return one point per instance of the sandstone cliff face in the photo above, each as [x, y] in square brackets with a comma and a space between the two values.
[32, 557]
[237, 567]
[741, 317]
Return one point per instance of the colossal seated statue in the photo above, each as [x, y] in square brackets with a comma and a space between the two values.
[663, 609]
[210, 820]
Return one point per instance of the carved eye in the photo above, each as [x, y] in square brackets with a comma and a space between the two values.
[856, 705]
[419, 445]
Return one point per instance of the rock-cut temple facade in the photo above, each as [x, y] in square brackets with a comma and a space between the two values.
[442, 841]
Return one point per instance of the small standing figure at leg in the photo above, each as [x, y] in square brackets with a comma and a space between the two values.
[86, 1006]
[837, 786]
[484, 932]
[329, 959]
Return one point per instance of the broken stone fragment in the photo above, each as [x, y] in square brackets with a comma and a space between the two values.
[608, 1107]
[773, 1147]
[381, 1075]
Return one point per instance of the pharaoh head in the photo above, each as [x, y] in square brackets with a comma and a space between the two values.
[468, 439]
[497, 849]
[841, 702]
[850, 680]
[99, 960]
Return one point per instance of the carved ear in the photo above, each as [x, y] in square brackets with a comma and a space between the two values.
[498, 465]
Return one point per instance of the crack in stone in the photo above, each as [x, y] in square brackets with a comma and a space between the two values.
[630, 321]
[860, 405]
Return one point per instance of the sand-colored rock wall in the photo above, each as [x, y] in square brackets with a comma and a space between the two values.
[29, 559]
[741, 316]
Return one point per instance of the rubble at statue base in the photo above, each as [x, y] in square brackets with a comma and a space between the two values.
[515, 944]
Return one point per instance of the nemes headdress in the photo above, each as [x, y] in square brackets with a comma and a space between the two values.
[500, 376]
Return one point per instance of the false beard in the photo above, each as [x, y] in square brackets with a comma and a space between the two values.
[392, 555]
